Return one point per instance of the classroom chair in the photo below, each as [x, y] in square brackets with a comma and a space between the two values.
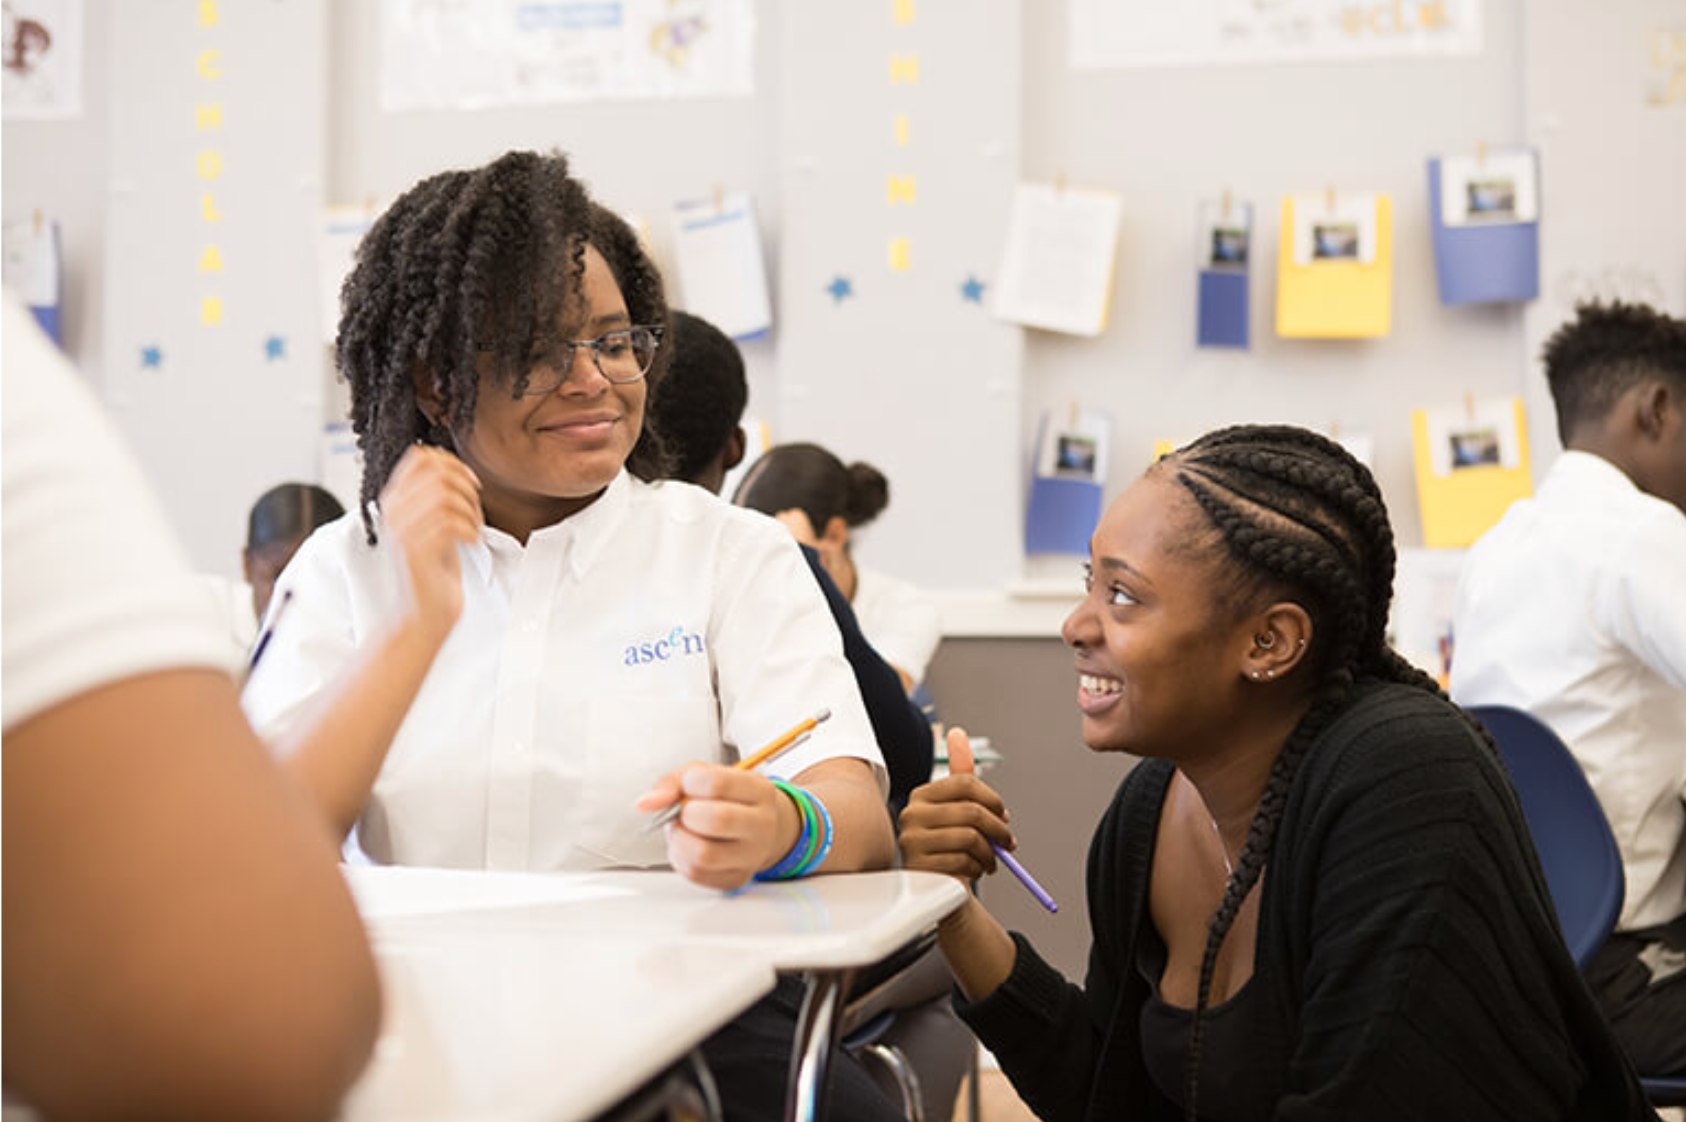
[1578, 853]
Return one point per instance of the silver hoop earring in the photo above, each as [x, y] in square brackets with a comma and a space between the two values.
[1266, 641]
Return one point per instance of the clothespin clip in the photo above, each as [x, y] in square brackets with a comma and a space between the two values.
[719, 198]
[1481, 154]
[35, 222]
[1228, 201]
[1330, 197]
[1469, 406]
[1074, 414]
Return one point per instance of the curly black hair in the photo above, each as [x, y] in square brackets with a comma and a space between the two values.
[1607, 348]
[1296, 516]
[488, 256]
[701, 402]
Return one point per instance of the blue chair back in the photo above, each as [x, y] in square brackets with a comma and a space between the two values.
[1583, 867]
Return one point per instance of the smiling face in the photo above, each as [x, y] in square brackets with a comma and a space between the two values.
[541, 458]
[1160, 656]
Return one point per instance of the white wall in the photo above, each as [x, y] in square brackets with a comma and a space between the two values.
[1564, 76]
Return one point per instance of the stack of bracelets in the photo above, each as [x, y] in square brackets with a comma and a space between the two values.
[813, 844]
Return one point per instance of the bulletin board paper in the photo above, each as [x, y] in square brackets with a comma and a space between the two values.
[1056, 269]
[1486, 462]
[1331, 297]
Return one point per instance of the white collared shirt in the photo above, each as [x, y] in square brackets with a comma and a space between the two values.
[901, 622]
[1573, 608]
[657, 626]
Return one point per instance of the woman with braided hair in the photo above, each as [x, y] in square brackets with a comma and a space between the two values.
[1316, 897]
[530, 643]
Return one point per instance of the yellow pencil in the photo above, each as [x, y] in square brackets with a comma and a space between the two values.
[787, 740]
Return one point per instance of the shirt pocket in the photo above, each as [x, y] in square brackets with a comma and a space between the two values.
[632, 741]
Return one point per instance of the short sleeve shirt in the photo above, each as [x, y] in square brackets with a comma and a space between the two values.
[655, 627]
[97, 588]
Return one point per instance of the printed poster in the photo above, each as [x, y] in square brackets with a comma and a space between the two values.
[41, 51]
[496, 53]
[1128, 34]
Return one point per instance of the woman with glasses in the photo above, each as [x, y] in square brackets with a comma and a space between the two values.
[538, 646]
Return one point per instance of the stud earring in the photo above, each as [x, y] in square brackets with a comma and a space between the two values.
[1255, 675]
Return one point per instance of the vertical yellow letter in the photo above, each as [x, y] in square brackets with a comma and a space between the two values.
[210, 309]
[903, 11]
[901, 130]
[904, 68]
[901, 189]
[900, 257]
[209, 65]
[209, 164]
[207, 116]
[208, 208]
[208, 14]
[210, 261]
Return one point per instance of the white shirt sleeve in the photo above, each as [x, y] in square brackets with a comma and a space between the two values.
[1646, 603]
[314, 639]
[97, 589]
[782, 658]
[901, 622]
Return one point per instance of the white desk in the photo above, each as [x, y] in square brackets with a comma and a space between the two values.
[513, 1027]
[825, 927]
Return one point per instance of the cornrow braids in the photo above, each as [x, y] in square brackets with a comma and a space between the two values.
[1298, 516]
[472, 260]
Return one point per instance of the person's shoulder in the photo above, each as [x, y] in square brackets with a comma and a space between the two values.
[1395, 733]
[702, 511]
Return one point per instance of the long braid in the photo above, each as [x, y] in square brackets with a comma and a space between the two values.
[1296, 513]
[467, 259]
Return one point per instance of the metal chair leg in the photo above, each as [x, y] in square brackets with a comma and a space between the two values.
[907, 1080]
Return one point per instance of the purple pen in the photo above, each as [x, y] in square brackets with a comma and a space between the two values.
[1025, 878]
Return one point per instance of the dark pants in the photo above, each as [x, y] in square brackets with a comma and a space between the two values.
[750, 1059]
[1639, 978]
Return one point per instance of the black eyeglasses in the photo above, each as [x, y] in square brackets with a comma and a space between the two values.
[621, 356]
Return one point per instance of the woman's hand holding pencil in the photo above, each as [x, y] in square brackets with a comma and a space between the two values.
[729, 822]
[958, 825]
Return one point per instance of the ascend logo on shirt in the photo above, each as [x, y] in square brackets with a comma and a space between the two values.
[674, 644]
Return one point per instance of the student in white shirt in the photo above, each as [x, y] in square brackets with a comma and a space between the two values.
[821, 500]
[178, 941]
[1573, 608]
[538, 647]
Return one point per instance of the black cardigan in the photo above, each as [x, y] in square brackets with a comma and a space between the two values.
[1407, 949]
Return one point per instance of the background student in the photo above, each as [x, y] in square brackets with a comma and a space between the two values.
[531, 646]
[698, 410]
[1573, 608]
[178, 940]
[1316, 897]
[822, 501]
[276, 526]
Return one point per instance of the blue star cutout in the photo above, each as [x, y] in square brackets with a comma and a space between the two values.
[840, 289]
[275, 347]
[152, 358]
[972, 291]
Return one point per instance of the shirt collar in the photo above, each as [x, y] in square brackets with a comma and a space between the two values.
[1587, 470]
[588, 532]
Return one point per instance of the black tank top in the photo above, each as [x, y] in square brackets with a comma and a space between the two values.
[1237, 1083]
